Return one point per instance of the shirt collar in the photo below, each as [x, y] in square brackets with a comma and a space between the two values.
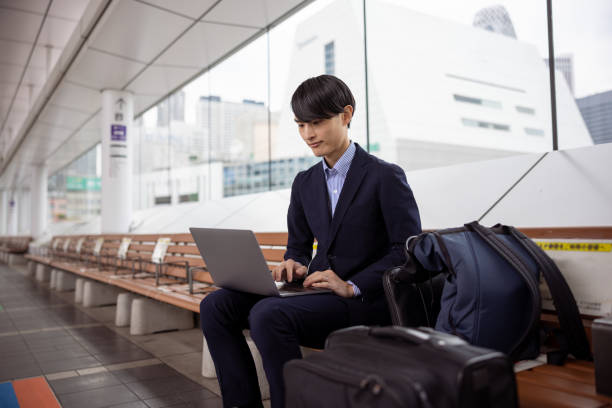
[343, 163]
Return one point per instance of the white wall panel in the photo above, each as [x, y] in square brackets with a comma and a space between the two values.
[18, 25]
[100, 70]
[204, 43]
[14, 53]
[139, 31]
[188, 8]
[76, 97]
[142, 102]
[253, 13]
[61, 117]
[568, 188]
[451, 196]
[11, 73]
[56, 31]
[68, 9]
[266, 213]
[158, 80]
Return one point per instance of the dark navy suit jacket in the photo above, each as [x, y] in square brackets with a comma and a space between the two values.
[375, 214]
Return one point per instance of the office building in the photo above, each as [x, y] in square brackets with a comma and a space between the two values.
[596, 111]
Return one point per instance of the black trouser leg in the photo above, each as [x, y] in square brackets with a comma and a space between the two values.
[223, 316]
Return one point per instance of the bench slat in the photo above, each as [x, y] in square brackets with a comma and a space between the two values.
[562, 384]
[538, 396]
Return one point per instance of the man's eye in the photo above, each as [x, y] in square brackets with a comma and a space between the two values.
[300, 125]
[315, 122]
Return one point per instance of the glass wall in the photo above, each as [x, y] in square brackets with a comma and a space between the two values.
[583, 65]
[236, 117]
[74, 193]
[447, 82]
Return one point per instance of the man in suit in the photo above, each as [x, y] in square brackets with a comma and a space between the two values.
[361, 211]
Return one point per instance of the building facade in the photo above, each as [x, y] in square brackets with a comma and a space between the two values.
[597, 113]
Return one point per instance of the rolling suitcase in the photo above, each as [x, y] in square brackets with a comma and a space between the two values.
[399, 367]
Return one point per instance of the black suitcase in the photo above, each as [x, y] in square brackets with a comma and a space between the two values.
[399, 367]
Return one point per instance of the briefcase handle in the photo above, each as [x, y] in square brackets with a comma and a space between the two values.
[416, 336]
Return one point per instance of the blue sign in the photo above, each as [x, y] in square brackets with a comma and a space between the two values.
[118, 133]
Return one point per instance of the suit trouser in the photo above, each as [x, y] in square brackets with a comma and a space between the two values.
[278, 327]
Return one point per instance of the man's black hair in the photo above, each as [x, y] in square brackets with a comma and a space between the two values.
[321, 97]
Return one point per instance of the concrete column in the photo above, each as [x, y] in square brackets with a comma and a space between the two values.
[38, 201]
[3, 212]
[116, 124]
[12, 213]
[23, 225]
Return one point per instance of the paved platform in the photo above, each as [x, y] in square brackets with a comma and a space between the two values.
[86, 361]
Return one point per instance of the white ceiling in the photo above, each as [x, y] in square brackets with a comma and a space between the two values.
[49, 106]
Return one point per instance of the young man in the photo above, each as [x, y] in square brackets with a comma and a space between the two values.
[361, 211]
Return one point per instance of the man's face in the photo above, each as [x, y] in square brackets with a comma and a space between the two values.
[326, 136]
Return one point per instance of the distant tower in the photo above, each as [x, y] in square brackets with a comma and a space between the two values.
[496, 19]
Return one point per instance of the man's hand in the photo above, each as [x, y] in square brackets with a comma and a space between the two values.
[329, 280]
[288, 270]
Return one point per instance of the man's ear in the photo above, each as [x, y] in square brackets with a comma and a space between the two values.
[347, 115]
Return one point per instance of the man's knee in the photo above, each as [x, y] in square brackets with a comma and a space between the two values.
[268, 314]
[208, 304]
[216, 307]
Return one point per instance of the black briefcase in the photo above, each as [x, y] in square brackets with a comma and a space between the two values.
[399, 367]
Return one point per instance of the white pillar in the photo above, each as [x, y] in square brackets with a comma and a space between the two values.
[12, 213]
[38, 201]
[116, 125]
[3, 212]
[23, 227]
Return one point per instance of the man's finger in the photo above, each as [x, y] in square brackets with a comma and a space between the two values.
[301, 271]
[290, 272]
[313, 277]
[278, 271]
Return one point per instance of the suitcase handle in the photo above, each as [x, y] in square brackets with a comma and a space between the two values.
[401, 333]
[417, 336]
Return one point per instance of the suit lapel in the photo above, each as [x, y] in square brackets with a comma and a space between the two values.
[320, 199]
[351, 185]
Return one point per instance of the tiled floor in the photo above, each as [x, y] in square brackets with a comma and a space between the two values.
[90, 363]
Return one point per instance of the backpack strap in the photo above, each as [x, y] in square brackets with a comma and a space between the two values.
[565, 303]
[517, 263]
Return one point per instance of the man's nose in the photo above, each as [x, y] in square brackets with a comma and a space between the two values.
[309, 131]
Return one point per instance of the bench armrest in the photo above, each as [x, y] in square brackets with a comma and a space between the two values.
[190, 276]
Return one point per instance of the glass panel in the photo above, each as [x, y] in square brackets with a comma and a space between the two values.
[191, 168]
[75, 191]
[152, 155]
[453, 82]
[234, 117]
[583, 63]
[324, 37]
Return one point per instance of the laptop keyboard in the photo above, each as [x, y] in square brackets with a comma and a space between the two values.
[295, 286]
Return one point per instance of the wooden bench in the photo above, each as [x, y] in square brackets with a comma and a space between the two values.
[180, 280]
[13, 245]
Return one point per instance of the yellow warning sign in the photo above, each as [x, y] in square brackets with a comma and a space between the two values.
[576, 246]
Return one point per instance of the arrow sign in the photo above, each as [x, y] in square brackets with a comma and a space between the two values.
[120, 102]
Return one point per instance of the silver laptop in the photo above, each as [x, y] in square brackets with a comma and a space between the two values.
[235, 261]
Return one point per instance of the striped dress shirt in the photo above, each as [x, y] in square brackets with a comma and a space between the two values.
[335, 177]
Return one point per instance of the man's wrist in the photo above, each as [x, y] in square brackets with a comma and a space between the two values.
[354, 290]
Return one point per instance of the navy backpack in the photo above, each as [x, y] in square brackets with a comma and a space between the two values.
[482, 284]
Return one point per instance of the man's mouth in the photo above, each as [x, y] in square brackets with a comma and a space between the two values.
[313, 145]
